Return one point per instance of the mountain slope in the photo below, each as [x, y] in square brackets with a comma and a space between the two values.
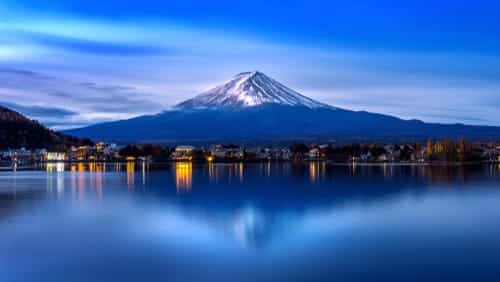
[18, 131]
[253, 107]
[249, 89]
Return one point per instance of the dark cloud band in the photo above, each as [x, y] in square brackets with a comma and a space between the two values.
[40, 111]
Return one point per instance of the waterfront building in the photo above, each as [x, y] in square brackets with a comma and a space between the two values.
[366, 157]
[55, 156]
[18, 156]
[281, 154]
[183, 153]
[314, 153]
[227, 152]
[263, 154]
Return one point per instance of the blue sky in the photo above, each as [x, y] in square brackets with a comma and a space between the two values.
[72, 63]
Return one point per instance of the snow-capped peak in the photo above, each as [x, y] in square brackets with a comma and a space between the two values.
[249, 89]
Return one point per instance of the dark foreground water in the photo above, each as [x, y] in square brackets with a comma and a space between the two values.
[250, 222]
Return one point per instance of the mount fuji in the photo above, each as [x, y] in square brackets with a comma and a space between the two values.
[253, 107]
[249, 89]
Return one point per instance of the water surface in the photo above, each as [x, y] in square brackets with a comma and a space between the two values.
[250, 222]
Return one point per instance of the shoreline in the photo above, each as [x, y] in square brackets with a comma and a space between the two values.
[365, 164]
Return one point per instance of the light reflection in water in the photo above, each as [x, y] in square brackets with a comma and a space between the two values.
[85, 178]
[145, 168]
[81, 181]
[241, 172]
[130, 174]
[212, 172]
[79, 175]
[317, 170]
[313, 172]
[183, 176]
[58, 168]
[99, 169]
[54, 167]
[227, 172]
[81, 167]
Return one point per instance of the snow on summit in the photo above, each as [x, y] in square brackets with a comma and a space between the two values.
[249, 89]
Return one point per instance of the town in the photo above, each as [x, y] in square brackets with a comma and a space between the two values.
[432, 151]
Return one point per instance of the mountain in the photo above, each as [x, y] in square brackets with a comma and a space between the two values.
[249, 89]
[253, 107]
[18, 131]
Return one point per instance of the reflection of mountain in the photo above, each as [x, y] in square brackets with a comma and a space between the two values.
[16, 199]
[232, 172]
[254, 228]
[275, 204]
[271, 202]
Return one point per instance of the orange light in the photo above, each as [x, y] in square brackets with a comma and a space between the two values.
[183, 176]
[130, 174]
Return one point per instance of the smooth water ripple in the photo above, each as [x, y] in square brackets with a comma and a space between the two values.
[250, 222]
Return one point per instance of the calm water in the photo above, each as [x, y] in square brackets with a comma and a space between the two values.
[250, 222]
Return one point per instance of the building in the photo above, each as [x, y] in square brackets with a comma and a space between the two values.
[281, 154]
[19, 156]
[314, 154]
[183, 153]
[227, 152]
[383, 158]
[55, 156]
[81, 153]
[262, 154]
[366, 157]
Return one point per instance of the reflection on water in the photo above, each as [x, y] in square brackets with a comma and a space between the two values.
[55, 173]
[249, 222]
[226, 172]
[51, 167]
[82, 178]
[183, 176]
[317, 171]
[130, 174]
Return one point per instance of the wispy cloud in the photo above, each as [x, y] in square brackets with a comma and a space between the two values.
[114, 99]
[38, 112]
[107, 69]
[83, 45]
[65, 103]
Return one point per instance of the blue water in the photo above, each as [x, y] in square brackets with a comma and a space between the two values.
[250, 222]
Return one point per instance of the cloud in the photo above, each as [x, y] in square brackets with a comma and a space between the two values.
[108, 98]
[116, 99]
[128, 80]
[25, 73]
[467, 119]
[83, 45]
[77, 103]
[40, 111]
[98, 87]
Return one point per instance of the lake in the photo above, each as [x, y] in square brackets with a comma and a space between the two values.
[250, 222]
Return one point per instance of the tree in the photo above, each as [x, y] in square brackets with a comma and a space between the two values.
[299, 148]
[130, 151]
